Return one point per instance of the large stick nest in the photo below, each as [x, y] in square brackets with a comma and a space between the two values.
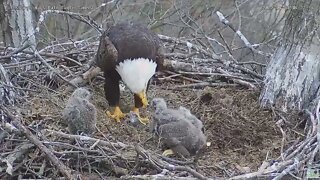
[246, 141]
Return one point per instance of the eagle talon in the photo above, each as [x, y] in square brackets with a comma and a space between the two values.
[142, 120]
[167, 152]
[117, 114]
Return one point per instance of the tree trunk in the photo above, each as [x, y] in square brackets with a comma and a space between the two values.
[292, 79]
[17, 30]
[16, 22]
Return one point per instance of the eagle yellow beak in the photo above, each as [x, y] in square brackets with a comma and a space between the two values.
[142, 95]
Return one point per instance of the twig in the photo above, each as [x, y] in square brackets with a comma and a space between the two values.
[317, 127]
[86, 138]
[147, 156]
[288, 169]
[156, 162]
[66, 145]
[14, 87]
[60, 57]
[86, 76]
[252, 62]
[176, 161]
[238, 81]
[36, 53]
[228, 76]
[184, 42]
[6, 79]
[208, 55]
[185, 78]
[182, 66]
[239, 33]
[16, 154]
[16, 51]
[81, 17]
[279, 124]
[274, 168]
[157, 176]
[202, 84]
[60, 166]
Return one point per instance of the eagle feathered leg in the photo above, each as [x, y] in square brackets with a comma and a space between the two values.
[112, 93]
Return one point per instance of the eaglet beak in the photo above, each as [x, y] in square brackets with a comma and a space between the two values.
[142, 95]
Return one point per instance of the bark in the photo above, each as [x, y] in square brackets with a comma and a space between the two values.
[292, 78]
[16, 22]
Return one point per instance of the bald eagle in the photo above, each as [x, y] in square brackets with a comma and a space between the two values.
[178, 129]
[80, 114]
[132, 53]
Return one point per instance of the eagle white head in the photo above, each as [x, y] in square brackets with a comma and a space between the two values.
[136, 73]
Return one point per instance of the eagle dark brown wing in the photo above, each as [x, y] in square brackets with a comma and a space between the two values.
[135, 40]
[107, 54]
[160, 58]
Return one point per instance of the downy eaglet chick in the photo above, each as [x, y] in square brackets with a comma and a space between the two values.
[192, 118]
[80, 114]
[177, 129]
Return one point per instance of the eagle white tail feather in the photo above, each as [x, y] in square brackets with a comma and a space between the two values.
[136, 73]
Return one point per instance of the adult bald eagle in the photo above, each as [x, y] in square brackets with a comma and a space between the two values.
[132, 53]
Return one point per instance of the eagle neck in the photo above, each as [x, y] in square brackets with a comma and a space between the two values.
[136, 73]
